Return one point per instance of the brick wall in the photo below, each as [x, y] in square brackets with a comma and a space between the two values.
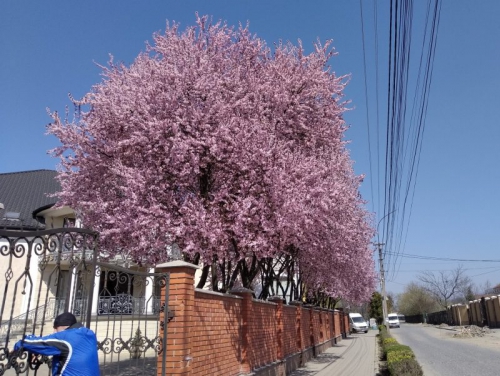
[263, 341]
[216, 334]
[233, 334]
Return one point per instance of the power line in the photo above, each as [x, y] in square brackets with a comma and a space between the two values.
[366, 101]
[493, 271]
[407, 255]
[449, 270]
[404, 133]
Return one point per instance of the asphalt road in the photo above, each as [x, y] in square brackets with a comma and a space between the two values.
[440, 354]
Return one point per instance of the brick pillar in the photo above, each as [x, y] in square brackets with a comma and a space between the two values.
[342, 323]
[330, 327]
[346, 324]
[279, 326]
[181, 303]
[298, 325]
[246, 311]
[310, 341]
[334, 328]
[311, 328]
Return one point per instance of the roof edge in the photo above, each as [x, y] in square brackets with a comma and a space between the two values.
[42, 208]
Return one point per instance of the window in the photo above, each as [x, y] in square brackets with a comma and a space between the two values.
[69, 222]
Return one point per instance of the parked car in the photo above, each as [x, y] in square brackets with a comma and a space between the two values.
[357, 323]
[393, 320]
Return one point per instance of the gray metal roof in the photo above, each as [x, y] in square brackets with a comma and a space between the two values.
[24, 192]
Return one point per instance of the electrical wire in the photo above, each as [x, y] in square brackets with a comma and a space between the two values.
[366, 102]
[404, 133]
[407, 255]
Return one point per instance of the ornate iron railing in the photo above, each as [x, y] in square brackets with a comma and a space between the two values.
[125, 304]
[37, 265]
[38, 315]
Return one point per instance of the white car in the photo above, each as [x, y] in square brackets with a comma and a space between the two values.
[393, 320]
[357, 323]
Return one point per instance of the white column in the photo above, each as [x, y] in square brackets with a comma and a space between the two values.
[72, 287]
[148, 293]
[95, 296]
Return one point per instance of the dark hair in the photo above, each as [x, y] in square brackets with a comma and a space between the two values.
[64, 319]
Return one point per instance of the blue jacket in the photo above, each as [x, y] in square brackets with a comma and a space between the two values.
[74, 351]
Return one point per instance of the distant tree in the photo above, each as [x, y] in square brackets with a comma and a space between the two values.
[416, 300]
[375, 308]
[445, 286]
[212, 142]
[362, 308]
[485, 288]
[492, 290]
[391, 303]
[469, 294]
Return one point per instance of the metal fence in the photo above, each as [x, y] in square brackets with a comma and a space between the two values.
[434, 318]
[53, 271]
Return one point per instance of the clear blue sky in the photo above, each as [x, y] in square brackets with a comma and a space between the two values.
[48, 49]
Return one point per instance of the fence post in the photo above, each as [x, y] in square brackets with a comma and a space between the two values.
[280, 330]
[335, 327]
[246, 311]
[343, 331]
[311, 329]
[331, 325]
[181, 304]
[298, 327]
[346, 324]
[279, 325]
[484, 312]
[496, 313]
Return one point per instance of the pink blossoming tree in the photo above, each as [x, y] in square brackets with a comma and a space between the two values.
[233, 152]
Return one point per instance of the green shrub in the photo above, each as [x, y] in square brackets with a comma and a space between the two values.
[405, 367]
[383, 334]
[389, 341]
[400, 358]
[395, 349]
[397, 352]
[389, 344]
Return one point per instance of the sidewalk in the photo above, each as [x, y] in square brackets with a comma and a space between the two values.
[357, 355]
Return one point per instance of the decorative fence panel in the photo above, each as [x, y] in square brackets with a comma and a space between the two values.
[49, 272]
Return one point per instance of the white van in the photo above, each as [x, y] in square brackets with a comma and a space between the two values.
[357, 323]
[393, 320]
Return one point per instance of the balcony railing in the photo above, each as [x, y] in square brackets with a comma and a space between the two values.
[121, 304]
[125, 304]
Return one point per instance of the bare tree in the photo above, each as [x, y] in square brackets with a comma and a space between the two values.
[486, 288]
[445, 286]
[416, 300]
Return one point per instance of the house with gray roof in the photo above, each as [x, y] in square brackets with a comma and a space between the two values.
[29, 204]
[60, 267]
[23, 195]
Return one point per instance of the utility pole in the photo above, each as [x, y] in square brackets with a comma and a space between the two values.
[382, 280]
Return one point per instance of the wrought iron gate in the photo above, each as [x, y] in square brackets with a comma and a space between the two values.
[53, 271]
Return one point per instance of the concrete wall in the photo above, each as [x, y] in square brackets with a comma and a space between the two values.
[480, 312]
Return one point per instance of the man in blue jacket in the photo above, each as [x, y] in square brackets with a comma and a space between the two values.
[73, 347]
